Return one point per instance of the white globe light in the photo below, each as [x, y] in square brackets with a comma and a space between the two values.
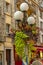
[24, 7]
[18, 15]
[31, 20]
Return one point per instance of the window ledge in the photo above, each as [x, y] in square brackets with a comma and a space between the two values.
[10, 35]
[8, 14]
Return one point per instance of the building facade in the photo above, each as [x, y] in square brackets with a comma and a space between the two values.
[6, 21]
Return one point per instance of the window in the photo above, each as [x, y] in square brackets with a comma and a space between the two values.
[0, 2]
[7, 28]
[8, 7]
[0, 11]
[41, 14]
[42, 38]
[8, 56]
[41, 25]
[1, 58]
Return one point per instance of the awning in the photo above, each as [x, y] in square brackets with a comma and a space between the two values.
[39, 48]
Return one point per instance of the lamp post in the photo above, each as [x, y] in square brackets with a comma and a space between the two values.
[21, 16]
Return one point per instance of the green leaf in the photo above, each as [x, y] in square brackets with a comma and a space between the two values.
[21, 35]
[20, 43]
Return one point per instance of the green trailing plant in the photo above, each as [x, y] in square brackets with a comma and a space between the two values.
[20, 43]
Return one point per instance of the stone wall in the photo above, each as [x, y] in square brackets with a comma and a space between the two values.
[2, 21]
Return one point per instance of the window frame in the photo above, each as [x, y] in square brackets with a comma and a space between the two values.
[42, 38]
[41, 25]
[8, 7]
[7, 28]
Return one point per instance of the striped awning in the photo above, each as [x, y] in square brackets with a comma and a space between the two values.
[39, 48]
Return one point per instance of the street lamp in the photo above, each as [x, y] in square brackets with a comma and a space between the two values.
[24, 7]
[31, 20]
[21, 16]
[18, 16]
